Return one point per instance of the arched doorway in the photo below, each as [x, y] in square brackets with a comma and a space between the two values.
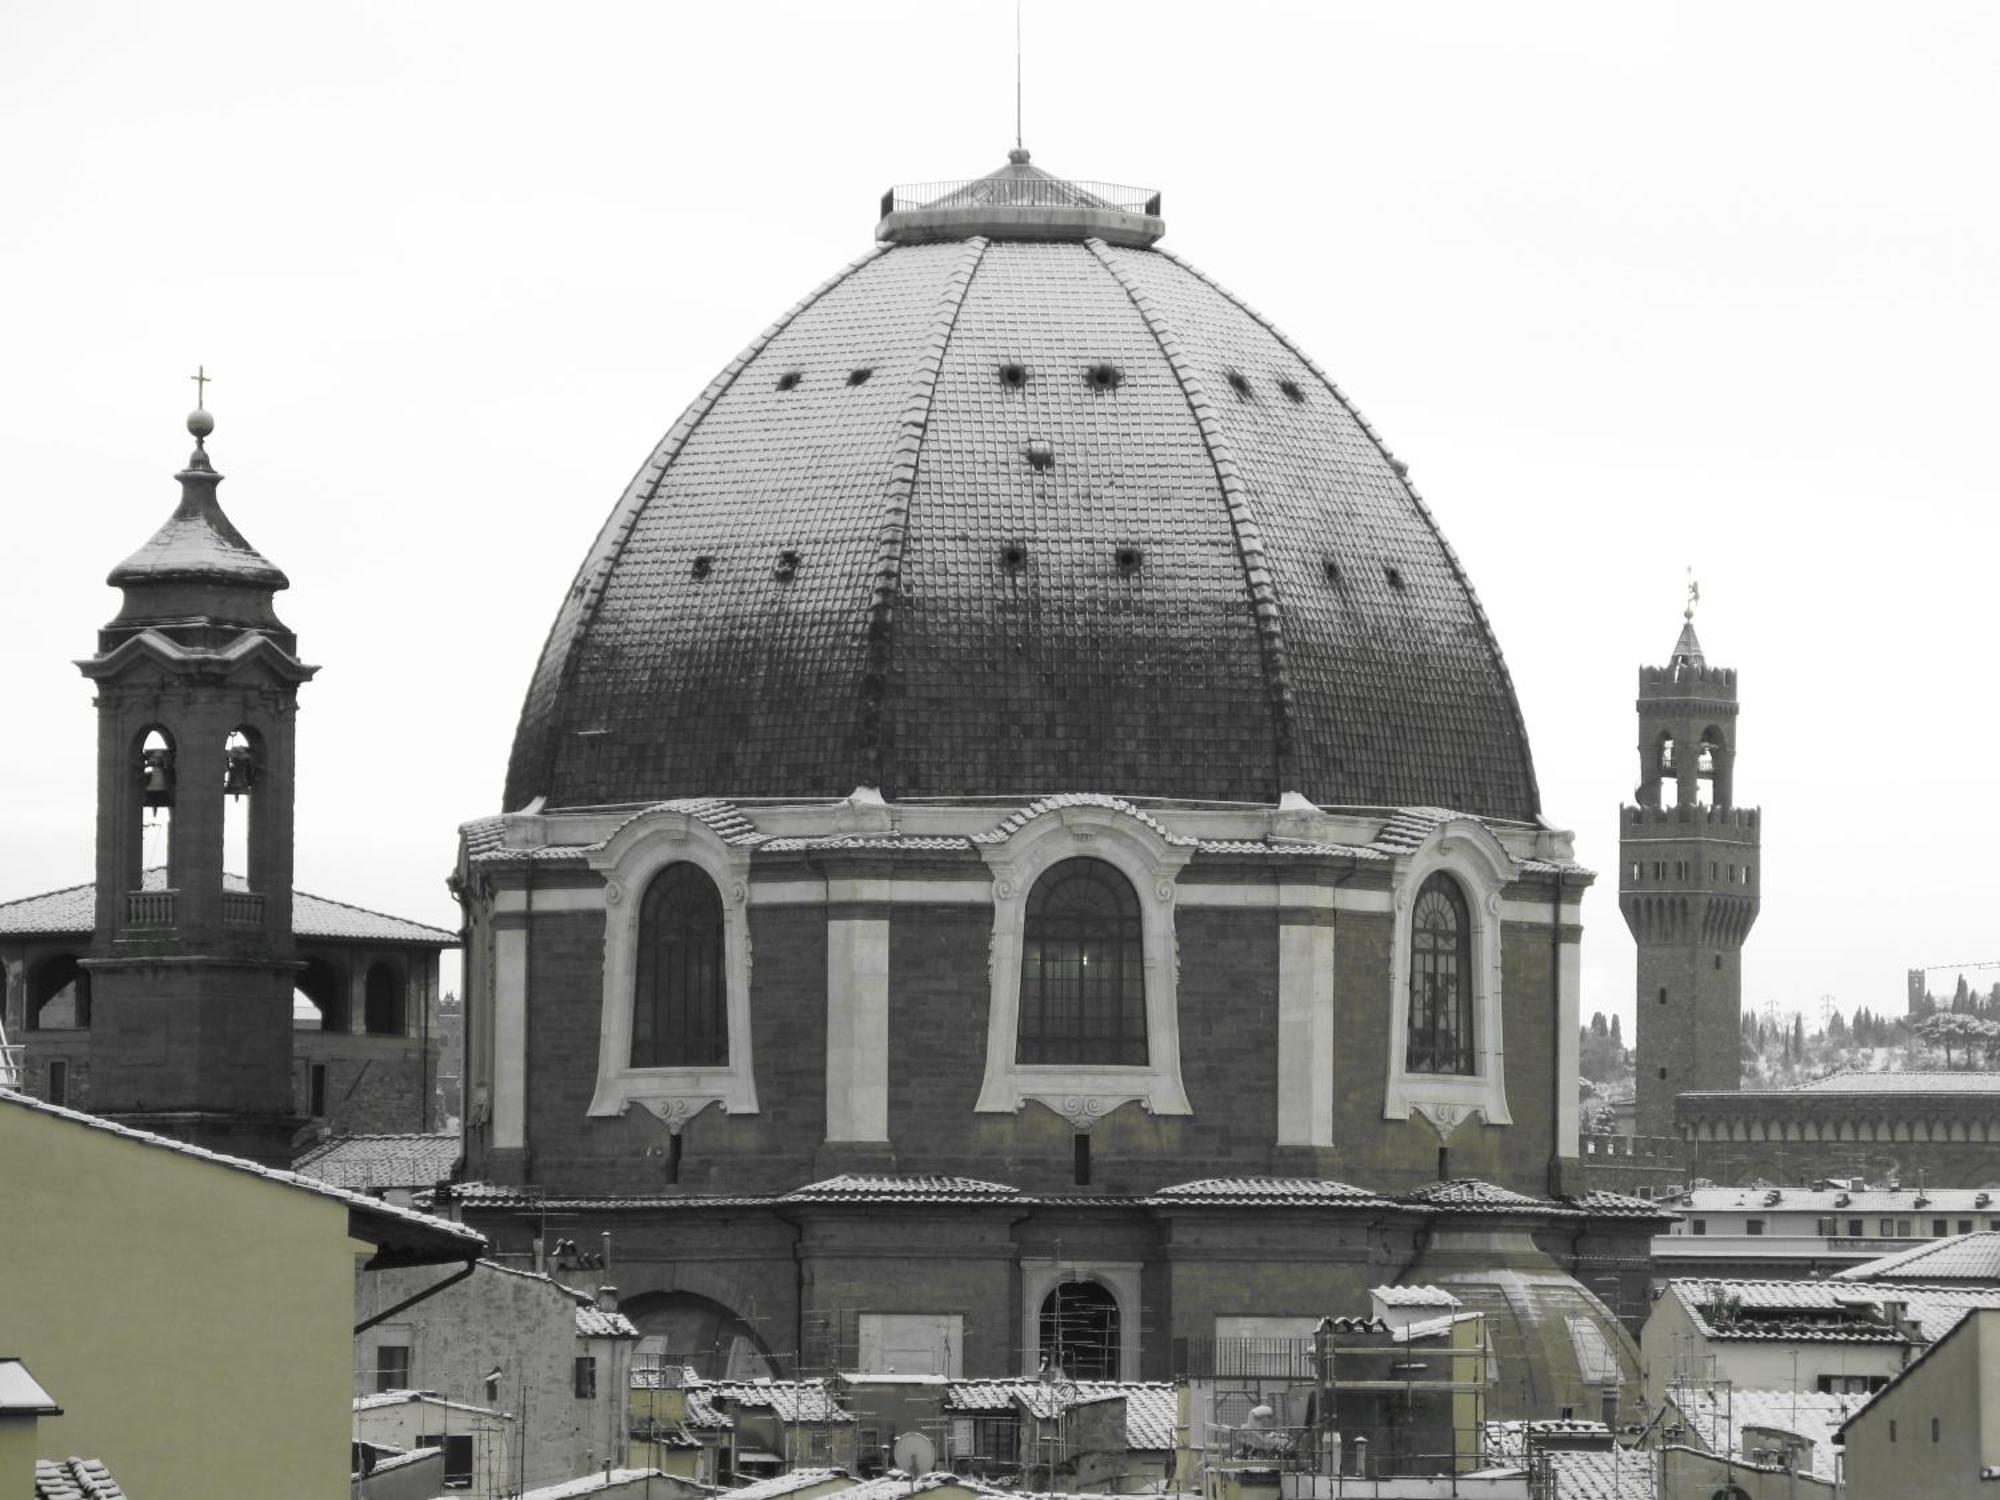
[1080, 1332]
[686, 1329]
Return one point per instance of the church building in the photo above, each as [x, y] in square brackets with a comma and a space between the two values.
[1022, 851]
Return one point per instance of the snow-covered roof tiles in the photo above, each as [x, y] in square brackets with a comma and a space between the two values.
[1149, 1406]
[1902, 1083]
[1303, 1192]
[369, 1163]
[1718, 1419]
[1471, 1195]
[420, 1238]
[590, 1484]
[1962, 1257]
[788, 1400]
[891, 1188]
[780, 1485]
[381, 1399]
[593, 1322]
[1413, 1296]
[73, 911]
[74, 1479]
[21, 1393]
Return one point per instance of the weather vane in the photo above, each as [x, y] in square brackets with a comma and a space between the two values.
[200, 378]
[1694, 594]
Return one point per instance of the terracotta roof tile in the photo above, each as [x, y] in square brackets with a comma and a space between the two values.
[1266, 1192]
[368, 1163]
[73, 909]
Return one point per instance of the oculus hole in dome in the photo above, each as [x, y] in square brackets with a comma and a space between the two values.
[860, 376]
[1332, 571]
[1128, 559]
[1013, 376]
[1239, 385]
[1103, 377]
[1014, 555]
[787, 568]
[1291, 389]
[701, 567]
[1041, 454]
[1394, 575]
[789, 380]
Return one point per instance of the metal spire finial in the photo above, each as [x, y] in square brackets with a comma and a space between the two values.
[199, 422]
[1017, 75]
[1694, 595]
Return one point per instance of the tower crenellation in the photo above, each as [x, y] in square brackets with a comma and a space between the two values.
[1688, 881]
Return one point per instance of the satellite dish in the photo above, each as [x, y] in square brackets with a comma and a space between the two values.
[915, 1453]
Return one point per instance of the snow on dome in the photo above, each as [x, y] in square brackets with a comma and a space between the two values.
[1001, 510]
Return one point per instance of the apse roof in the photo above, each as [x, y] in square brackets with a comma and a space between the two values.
[1013, 515]
[1962, 1257]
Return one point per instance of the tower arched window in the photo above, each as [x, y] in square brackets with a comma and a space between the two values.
[1083, 973]
[59, 995]
[1440, 1038]
[680, 1014]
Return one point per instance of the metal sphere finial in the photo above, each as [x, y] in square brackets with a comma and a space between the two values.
[200, 423]
[1018, 155]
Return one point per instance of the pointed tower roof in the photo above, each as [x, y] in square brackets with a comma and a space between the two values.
[1687, 650]
[198, 542]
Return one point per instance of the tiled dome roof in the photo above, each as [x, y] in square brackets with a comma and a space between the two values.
[1007, 513]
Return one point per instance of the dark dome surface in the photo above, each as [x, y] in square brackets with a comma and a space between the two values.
[1086, 523]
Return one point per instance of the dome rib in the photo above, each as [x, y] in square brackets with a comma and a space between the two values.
[903, 464]
[1242, 519]
[1492, 641]
[532, 763]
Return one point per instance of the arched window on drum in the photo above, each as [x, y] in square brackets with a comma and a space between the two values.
[1440, 1036]
[1083, 973]
[680, 1016]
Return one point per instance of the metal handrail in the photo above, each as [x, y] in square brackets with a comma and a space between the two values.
[1020, 192]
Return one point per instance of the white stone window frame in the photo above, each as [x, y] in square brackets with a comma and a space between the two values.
[1469, 853]
[1085, 1093]
[628, 861]
[1120, 1278]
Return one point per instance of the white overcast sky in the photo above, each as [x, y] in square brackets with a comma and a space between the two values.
[1630, 287]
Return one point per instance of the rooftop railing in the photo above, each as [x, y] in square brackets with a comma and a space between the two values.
[1020, 192]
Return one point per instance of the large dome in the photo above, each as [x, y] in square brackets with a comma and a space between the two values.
[1016, 504]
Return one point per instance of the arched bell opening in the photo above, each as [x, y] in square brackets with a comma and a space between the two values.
[242, 773]
[155, 766]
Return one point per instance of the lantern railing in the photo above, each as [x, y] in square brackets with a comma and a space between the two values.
[242, 909]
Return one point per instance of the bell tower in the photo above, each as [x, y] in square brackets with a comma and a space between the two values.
[1687, 881]
[192, 967]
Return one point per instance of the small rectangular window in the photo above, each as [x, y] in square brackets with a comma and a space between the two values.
[1753, 1226]
[1698, 1226]
[1888, 1229]
[586, 1377]
[392, 1367]
[1940, 1227]
[319, 1091]
[1854, 1229]
[1965, 1226]
[1825, 1227]
[1902, 1229]
[1934, 1429]
[58, 1081]
[1892, 1429]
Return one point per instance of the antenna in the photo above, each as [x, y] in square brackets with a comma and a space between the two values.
[1017, 75]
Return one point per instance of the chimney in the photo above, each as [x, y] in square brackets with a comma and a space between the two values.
[607, 1299]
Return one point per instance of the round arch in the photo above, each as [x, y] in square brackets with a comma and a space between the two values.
[686, 1328]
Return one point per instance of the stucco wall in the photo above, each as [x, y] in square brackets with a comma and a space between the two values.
[177, 1310]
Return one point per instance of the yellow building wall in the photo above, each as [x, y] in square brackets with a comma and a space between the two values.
[196, 1320]
[1958, 1388]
